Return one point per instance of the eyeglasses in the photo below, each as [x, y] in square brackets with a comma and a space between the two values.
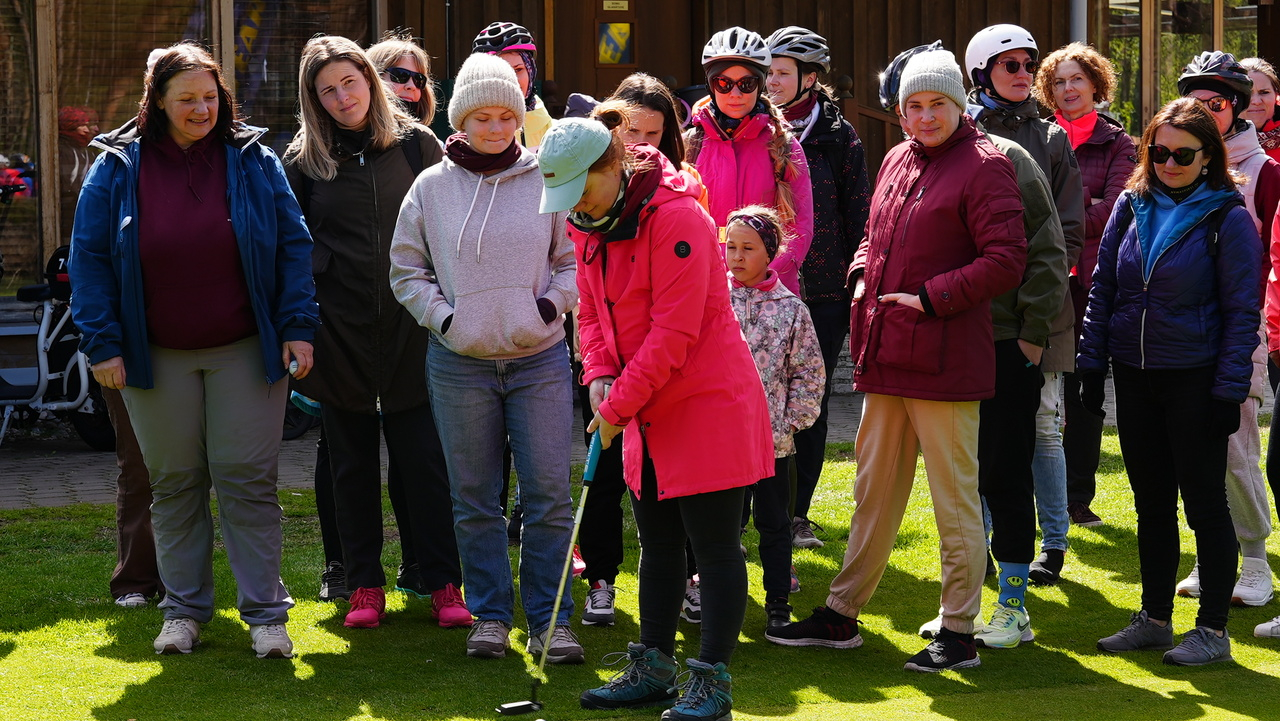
[1011, 66]
[724, 85]
[1217, 103]
[402, 76]
[1182, 156]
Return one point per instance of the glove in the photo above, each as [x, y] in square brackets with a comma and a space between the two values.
[1224, 418]
[1093, 392]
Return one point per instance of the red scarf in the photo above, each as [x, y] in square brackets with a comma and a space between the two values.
[1080, 129]
[461, 152]
[801, 110]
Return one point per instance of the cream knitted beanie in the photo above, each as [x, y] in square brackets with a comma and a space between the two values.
[485, 81]
[935, 71]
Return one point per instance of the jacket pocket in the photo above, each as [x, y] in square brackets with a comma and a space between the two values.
[910, 340]
[496, 321]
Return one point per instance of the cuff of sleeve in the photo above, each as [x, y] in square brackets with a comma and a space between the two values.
[606, 412]
[296, 333]
[441, 313]
[547, 310]
[924, 301]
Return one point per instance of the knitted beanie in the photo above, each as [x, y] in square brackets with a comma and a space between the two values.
[485, 81]
[934, 71]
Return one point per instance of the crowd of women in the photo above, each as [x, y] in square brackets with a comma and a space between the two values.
[695, 278]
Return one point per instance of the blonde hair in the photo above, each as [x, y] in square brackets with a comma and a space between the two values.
[396, 45]
[312, 148]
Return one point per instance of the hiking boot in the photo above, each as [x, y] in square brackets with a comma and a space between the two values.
[1254, 587]
[802, 533]
[1200, 646]
[271, 641]
[1268, 629]
[1082, 515]
[931, 628]
[333, 582]
[825, 628]
[177, 635]
[795, 581]
[946, 652]
[409, 580]
[368, 608]
[131, 600]
[691, 609]
[1142, 633]
[704, 693]
[778, 613]
[564, 647]
[489, 639]
[599, 608]
[1189, 587]
[1046, 570]
[1008, 628]
[648, 679]
[451, 611]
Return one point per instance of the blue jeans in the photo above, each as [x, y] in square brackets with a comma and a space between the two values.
[479, 404]
[1049, 465]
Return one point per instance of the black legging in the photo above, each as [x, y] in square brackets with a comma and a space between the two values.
[712, 529]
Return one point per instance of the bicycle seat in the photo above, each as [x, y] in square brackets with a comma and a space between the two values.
[35, 293]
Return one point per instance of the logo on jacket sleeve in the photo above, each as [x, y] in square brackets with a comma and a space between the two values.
[683, 249]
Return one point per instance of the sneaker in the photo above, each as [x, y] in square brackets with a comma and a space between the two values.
[409, 580]
[931, 629]
[802, 533]
[778, 613]
[824, 628]
[1269, 629]
[489, 639]
[1190, 586]
[271, 641]
[948, 651]
[646, 680]
[599, 608]
[1142, 633]
[368, 608]
[564, 647]
[177, 635]
[1008, 628]
[691, 609]
[1082, 515]
[704, 693]
[1200, 646]
[1254, 587]
[333, 582]
[451, 611]
[795, 581]
[131, 600]
[1046, 570]
[579, 565]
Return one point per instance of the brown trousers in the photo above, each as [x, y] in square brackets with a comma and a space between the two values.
[135, 570]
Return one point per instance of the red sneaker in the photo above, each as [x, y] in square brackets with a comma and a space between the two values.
[579, 565]
[368, 608]
[451, 610]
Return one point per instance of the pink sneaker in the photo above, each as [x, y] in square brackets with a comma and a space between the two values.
[368, 608]
[579, 565]
[451, 610]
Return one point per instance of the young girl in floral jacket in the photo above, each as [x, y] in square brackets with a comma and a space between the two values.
[784, 344]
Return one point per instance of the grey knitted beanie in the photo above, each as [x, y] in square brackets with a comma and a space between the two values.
[485, 81]
[935, 71]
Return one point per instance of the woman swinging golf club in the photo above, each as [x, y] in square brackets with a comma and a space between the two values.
[657, 326]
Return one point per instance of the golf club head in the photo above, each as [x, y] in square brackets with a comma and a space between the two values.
[517, 708]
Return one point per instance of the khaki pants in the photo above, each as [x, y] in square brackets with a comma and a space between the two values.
[893, 430]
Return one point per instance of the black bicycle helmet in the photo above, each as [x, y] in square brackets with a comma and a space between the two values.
[1218, 71]
[891, 78]
[502, 37]
[800, 44]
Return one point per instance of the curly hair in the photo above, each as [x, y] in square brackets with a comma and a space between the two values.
[1097, 68]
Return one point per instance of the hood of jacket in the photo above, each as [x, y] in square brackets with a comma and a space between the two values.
[1011, 117]
[752, 126]
[122, 137]
[1243, 145]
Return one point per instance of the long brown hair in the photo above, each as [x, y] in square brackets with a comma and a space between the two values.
[646, 91]
[615, 115]
[1190, 115]
[179, 58]
[396, 45]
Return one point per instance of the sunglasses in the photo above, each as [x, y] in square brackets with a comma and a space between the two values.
[1217, 103]
[402, 77]
[1182, 156]
[1011, 66]
[724, 86]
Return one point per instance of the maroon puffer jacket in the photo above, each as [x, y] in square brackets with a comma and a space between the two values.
[1106, 160]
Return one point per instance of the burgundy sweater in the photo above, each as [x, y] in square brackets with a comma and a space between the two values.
[192, 279]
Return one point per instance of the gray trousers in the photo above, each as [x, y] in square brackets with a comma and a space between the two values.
[212, 421]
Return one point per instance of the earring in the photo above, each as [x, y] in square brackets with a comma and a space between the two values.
[1204, 171]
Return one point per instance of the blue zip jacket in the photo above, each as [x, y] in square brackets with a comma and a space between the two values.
[1196, 309]
[106, 274]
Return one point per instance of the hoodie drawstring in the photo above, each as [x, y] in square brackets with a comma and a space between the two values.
[485, 222]
[457, 251]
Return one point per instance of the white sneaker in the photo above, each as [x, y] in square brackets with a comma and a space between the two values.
[132, 600]
[177, 635]
[1269, 629]
[932, 628]
[1190, 586]
[271, 641]
[691, 609]
[1008, 628]
[1254, 587]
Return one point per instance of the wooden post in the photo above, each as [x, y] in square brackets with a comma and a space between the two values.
[50, 236]
[222, 27]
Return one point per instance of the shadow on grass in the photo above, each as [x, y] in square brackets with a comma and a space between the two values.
[6, 648]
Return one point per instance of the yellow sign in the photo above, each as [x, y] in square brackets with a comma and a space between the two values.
[616, 5]
[614, 47]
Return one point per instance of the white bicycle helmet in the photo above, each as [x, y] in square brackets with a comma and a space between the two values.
[801, 45]
[737, 44]
[988, 43]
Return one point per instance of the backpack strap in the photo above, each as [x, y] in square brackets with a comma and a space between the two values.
[1216, 218]
[412, 147]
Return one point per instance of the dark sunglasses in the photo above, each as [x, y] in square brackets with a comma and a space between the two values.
[1011, 66]
[724, 86]
[1217, 103]
[402, 77]
[1182, 156]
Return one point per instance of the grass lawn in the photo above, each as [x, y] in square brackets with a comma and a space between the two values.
[67, 652]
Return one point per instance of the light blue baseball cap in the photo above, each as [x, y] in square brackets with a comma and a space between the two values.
[567, 151]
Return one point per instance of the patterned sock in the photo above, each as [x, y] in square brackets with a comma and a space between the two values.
[1013, 583]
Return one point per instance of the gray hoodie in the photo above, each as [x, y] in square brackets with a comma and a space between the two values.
[475, 247]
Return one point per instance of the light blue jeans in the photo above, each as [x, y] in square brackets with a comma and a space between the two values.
[478, 404]
[1049, 465]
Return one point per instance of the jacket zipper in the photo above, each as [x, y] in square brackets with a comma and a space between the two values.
[379, 273]
[1146, 280]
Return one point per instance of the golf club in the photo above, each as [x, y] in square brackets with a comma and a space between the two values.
[516, 708]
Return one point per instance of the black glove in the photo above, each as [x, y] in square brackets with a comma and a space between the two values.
[1224, 418]
[1093, 392]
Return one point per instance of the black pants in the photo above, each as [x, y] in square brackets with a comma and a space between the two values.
[1273, 454]
[831, 321]
[773, 521]
[1006, 445]
[413, 446]
[600, 536]
[1081, 442]
[710, 523]
[325, 507]
[1168, 447]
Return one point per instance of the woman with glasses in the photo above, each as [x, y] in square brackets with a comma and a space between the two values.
[406, 70]
[1174, 311]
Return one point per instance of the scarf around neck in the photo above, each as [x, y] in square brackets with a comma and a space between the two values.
[461, 152]
[1080, 129]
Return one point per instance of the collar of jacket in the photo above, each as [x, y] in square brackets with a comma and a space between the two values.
[242, 135]
[966, 130]
[751, 126]
[826, 128]
[1011, 116]
[1104, 131]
